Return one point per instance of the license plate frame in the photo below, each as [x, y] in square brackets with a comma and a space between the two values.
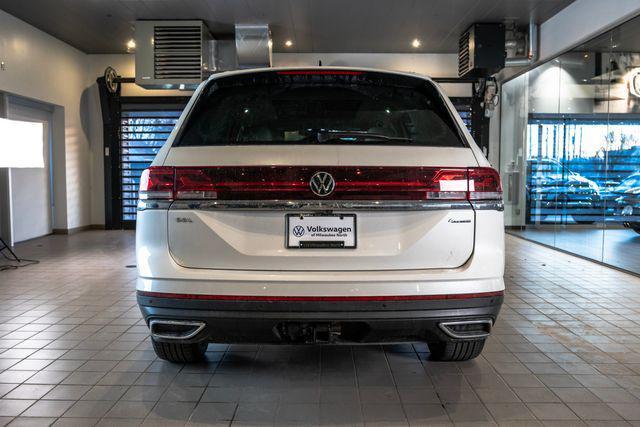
[297, 243]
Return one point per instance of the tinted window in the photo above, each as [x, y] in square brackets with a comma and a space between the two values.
[327, 107]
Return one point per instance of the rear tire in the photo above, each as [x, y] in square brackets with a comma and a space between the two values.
[180, 353]
[456, 351]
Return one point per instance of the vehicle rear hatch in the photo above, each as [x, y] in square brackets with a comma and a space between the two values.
[404, 201]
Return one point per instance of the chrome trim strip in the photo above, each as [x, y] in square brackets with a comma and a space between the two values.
[444, 326]
[199, 326]
[144, 205]
[488, 205]
[319, 205]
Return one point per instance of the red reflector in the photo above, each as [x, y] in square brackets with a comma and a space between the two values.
[320, 72]
[156, 183]
[314, 298]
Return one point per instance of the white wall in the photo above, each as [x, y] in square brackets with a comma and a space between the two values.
[43, 68]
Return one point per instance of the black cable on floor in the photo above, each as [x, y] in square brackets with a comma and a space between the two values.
[23, 262]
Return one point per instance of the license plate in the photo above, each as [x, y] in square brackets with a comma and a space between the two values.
[319, 231]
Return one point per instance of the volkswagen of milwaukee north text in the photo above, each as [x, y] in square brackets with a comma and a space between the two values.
[319, 206]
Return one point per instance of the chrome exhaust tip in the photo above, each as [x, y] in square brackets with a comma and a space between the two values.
[175, 329]
[467, 329]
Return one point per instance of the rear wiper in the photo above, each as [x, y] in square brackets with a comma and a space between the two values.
[330, 135]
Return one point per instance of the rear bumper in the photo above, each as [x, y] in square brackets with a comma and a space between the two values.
[317, 320]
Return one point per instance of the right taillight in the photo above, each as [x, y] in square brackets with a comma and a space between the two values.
[484, 184]
[156, 183]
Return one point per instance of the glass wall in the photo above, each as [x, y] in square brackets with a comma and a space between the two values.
[570, 150]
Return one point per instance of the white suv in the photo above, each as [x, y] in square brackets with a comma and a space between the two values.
[320, 205]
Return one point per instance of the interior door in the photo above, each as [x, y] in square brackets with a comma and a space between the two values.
[31, 188]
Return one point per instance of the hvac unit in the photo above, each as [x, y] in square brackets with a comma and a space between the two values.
[172, 54]
[481, 50]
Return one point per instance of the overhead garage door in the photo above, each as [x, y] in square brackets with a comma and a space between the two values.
[142, 132]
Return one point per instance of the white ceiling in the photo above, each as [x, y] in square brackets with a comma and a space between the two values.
[104, 26]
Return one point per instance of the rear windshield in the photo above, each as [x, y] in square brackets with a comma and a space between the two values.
[320, 107]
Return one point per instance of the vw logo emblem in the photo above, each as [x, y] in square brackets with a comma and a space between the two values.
[298, 231]
[322, 184]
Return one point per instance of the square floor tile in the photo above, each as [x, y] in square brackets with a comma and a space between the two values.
[470, 412]
[48, 408]
[29, 391]
[594, 411]
[89, 409]
[130, 409]
[552, 411]
[206, 412]
[13, 407]
[628, 411]
[172, 411]
[503, 412]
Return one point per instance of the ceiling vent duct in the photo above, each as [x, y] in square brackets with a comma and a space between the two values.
[522, 49]
[253, 46]
[172, 54]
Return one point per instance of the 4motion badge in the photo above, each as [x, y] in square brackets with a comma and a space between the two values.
[459, 221]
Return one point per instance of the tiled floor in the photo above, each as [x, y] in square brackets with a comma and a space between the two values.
[74, 351]
[615, 246]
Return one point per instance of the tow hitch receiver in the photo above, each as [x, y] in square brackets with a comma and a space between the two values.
[309, 333]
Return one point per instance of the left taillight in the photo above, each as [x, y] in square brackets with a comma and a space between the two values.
[156, 183]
